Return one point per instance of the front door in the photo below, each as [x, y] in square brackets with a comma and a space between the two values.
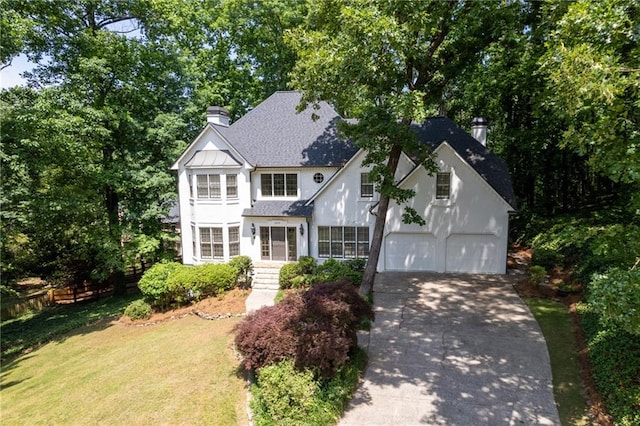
[278, 243]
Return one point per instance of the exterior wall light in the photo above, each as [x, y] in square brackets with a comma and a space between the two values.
[301, 229]
[253, 230]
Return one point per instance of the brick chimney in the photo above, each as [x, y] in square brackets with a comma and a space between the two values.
[479, 130]
[218, 115]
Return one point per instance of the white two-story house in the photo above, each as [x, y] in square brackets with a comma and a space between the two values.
[276, 185]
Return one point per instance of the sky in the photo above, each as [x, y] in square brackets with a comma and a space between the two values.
[10, 76]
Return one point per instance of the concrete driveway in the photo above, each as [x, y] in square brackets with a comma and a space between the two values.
[453, 350]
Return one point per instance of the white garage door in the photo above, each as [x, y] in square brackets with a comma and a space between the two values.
[472, 253]
[410, 252]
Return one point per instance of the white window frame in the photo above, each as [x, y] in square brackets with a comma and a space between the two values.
[366, 185]
[338, 245]
[282, 188]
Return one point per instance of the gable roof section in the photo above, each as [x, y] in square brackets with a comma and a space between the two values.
[273, 134]
[435, 131]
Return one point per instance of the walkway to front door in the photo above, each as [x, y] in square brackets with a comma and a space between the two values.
[278, 243]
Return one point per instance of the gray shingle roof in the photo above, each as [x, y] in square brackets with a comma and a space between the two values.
[279, 208]
[273, 134]
[489, 166]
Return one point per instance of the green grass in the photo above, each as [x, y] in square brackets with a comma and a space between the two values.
[178, 372]
[34, 328]
[568, 388]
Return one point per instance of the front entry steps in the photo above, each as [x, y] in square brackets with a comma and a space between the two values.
[266, 275]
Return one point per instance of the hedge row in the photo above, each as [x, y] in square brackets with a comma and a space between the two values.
[173, 283]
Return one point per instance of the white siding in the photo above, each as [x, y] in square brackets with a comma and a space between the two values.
[473, 209]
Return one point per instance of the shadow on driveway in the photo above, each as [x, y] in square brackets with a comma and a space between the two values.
[453, 350]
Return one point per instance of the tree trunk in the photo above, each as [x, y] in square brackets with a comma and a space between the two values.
[378, 230]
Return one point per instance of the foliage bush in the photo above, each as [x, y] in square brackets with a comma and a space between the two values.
[307, 264]
[287, 273]
[244, 265]
[138, 309]
[334, 270]
[284, 395]
[153, 284]
[537, 274]
[615, 295]
[166, 283]
[196, 282]
[615, 359]
[590, 244]
[316, 329]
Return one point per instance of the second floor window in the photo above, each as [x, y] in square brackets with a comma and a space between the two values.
[279, 184]
[232, 186]
[366, 185]
[208, 186]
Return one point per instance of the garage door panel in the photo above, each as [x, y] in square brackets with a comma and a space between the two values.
[410, 252]
[472, 253]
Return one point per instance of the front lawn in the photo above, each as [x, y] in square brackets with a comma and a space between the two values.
[178, 372]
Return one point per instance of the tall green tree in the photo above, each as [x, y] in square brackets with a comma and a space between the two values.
[107, 109]
[389, 64]
[593, 69]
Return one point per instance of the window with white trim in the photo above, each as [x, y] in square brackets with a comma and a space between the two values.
[343, 241]
[208, 186]
[279, 184]
[211, 244]
[443, 185]
[366, 185]
[234, 241]
[232, 186]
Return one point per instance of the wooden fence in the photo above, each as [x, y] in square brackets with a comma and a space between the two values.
[12, 309]
[93, 291]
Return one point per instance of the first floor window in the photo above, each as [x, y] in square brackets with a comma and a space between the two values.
[343, 241]
[443, 185]
[208, 186]
[211, 244]
[234, 241]
[366, 185]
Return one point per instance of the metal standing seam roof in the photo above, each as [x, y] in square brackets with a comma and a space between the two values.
[213, 158]
[263, 208]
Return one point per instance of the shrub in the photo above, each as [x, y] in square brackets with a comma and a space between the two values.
[316, 329]
[197, 282]
[334, 270]
[138, 309]
[615, 360]
[244, 265]
[303, 281]
[307, 264]
[356, 264]
[616, 297]
[537, 274]
[153, 284]
[545, 258]
[287, 273]
[285, 395]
